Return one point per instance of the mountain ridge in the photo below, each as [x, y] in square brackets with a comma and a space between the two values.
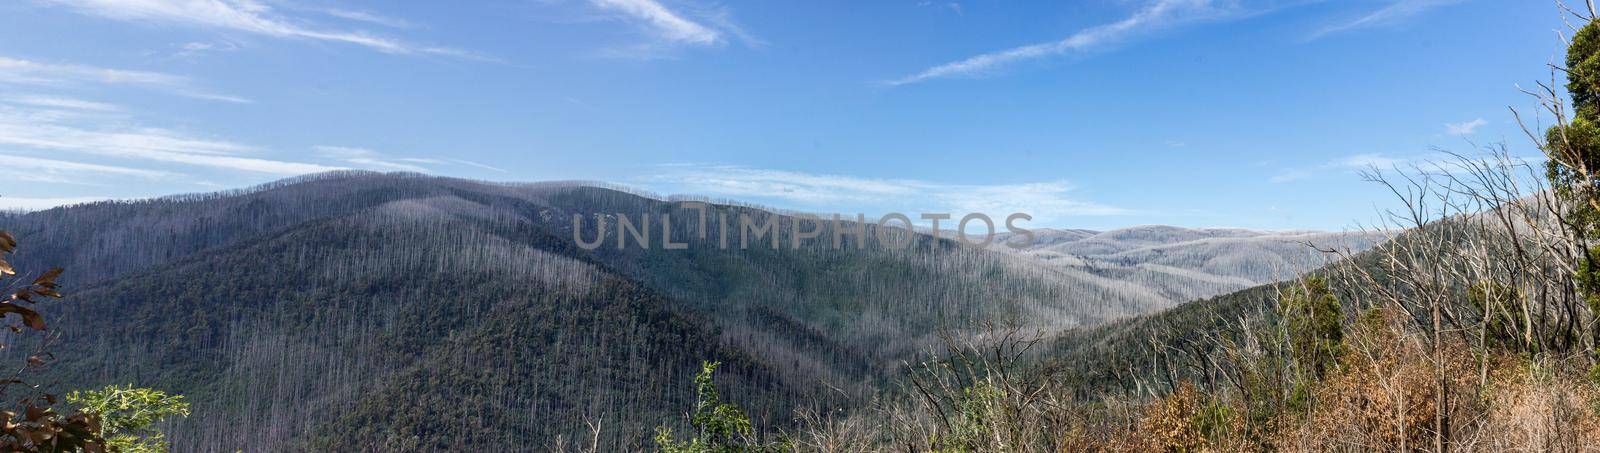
[351, 268]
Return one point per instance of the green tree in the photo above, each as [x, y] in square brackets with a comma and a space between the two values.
[1574, 151]
[719, 427]
[128, 413]
[1503, 318]
[1313, 321]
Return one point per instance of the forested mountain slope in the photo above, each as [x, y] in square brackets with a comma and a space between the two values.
[1129, 355]
[1184, 264]
[395, 328]
[360, 309]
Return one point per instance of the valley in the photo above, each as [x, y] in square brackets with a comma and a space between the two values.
[445, 293]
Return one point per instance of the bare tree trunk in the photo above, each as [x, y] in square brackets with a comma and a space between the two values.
[1441, 417]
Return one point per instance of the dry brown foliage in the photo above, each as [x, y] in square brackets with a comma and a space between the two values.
[1383, 396]
[1169, 424]
[1530, 408]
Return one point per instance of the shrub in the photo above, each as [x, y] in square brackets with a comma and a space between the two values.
[128, 415]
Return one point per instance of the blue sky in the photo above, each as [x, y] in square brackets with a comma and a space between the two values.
[1088, 114]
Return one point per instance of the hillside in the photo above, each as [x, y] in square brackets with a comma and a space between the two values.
[1184, 264]
[385, 329]
[401, 310]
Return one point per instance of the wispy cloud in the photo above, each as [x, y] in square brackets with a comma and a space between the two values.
[371, 18]
[946, 6]
[117, 136]
[54, 167]
[1467, 128]
[670, 29]
[1432, 163]
[1370, 160]
[1047, 201]
[1290, 175]
[34, 204]
[665, 23]
[61, 103]
[478, 165]
[373, 160]
[1397, 11]
[19, 71]
[1346, 164]
[246, 16]
[196, 48]
[1157, 15]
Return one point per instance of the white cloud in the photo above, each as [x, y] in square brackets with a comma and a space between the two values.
[247, 16]
[669, 30]
[1368, 160]
[117, 136]
[1290, 175]
[373, 160]
[478, 165]
[1159, 14]
[1396, 12]
[196, 48]
[949, 6]
[18, 71]
[37, 204]
[1046, 201]
[1356, 162]
[665, 23]
[371, 18]
[62, 103]
[1467, 128]
[60, 167]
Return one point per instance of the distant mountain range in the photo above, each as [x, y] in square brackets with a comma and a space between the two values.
[1185, 264]
[359, 311]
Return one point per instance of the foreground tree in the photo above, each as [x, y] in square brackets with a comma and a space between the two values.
[1573, 146]
[719, 427]
[127, 415]
[34, 425]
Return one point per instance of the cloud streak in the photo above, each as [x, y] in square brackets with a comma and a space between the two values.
[1157, 15]
[1395, 13]
[115, 136]
[63, 103]
[1467, 128]
[374, 160]
[668, 30]
[1369, 161]
[19, 71]
[363, 16]
[664, 23]
[247, 16]
[1047, 201]
[366, 158]
[1349, 163]
[477, 165]
[36, 204]
[60, 167]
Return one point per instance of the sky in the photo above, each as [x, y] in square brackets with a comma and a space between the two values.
[1083, 114]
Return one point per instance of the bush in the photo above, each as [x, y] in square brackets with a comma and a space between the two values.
[127, 415]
